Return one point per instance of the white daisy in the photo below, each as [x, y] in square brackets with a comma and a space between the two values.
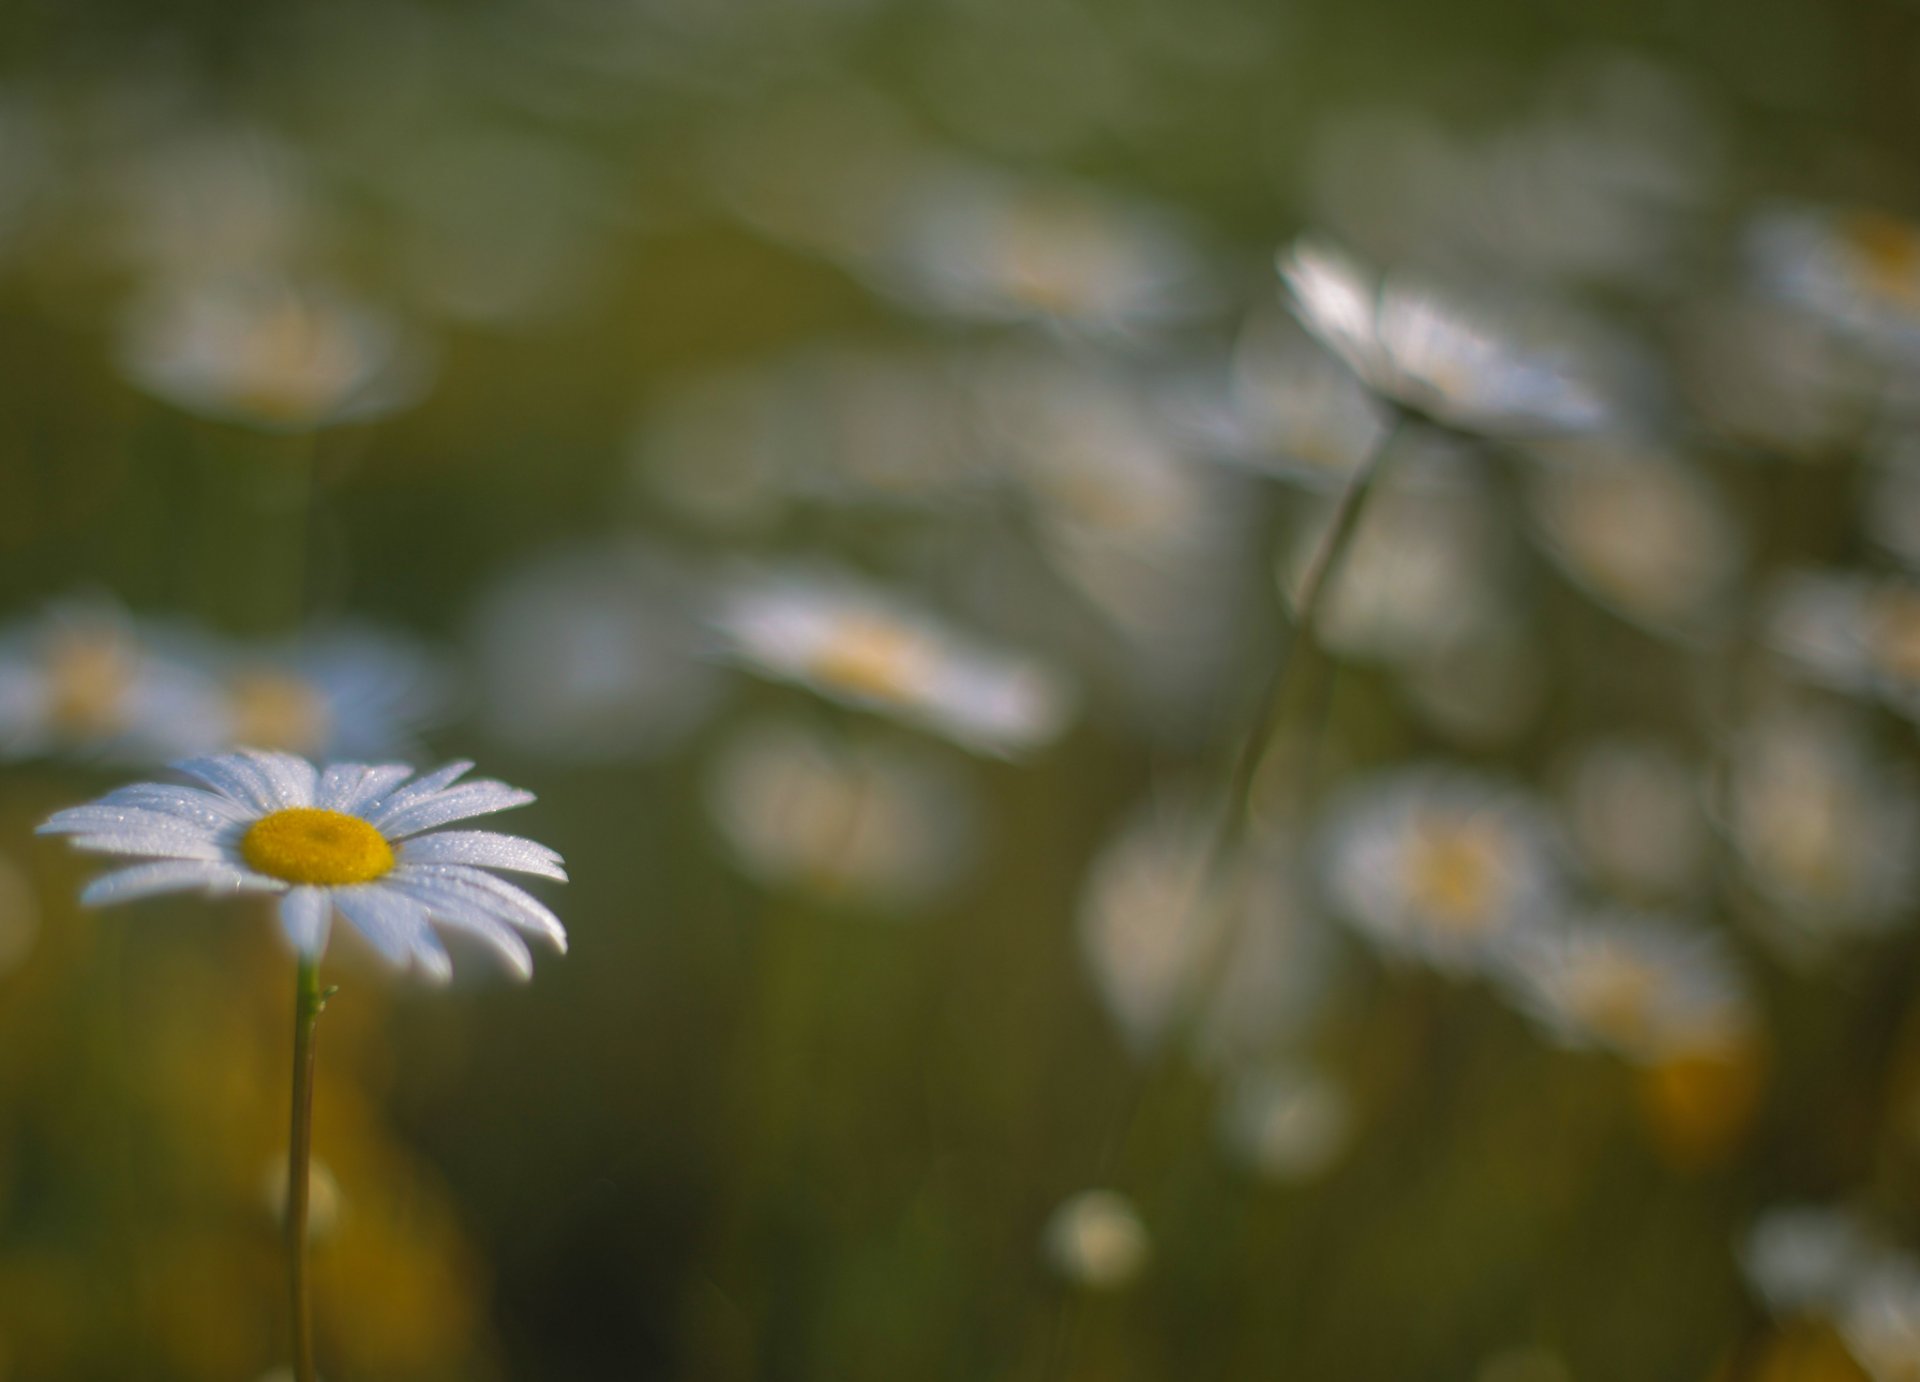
[347, 690]
[1635, 814]
[1288, 1124]
[270, 354]
[1441, 866]
[1805, 1258]
[1096, 1239]
[1418, 352]
[857, 644]
[354, 838]
[1855, 270]
[1853, 632]
[1650, 989]
[84, 678]
[1881, 1320]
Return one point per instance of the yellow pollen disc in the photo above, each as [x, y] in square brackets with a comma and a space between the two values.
[273, 711]
[1456, 870]
[307, 845]
[872, 658]
[1889, 248]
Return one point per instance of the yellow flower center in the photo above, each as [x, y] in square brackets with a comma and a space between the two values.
[1455, 873]
[870, 657]
[1889, 251]
[275, 711]
[308, 845]
[88, 675]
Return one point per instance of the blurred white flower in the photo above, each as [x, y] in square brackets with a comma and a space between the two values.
[351, 838]
[1288, 1124]
[1880, 1320]
[1824, 825]
[270, 354]
[343, 690]
[1856, 270]
[1440, 866]
[1285, 409]
[856, 643]
[1152, 921]
[1803, 1259]
[85, 678]
[987, 246]
[1096, 1240]
[1853, 632]
[1645, 987]
[1643, 533]
[1634, 812]
[867, 822]
[593, 652]
[1419, 352]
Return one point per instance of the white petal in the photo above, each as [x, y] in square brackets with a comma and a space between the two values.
[172, 875]
[419, 789]
[454, 888]
[306, 914]
[133, 823]
[188, 803]
[154, 844]
[485, 848]
[457, 803]
[247, 777]
[496, 935]
[390, 920]
[350, 787]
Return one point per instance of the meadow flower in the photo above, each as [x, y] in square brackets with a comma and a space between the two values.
[1805, 1259]
[1287, 1123]
[855, 643]
[1645, 987]
[1235, 949]
[1285, 409]
[1634, 814]
[85, 678]
[1855, 270]
[1440, 866]
[591, 652]
[269, 353]
[1853, 632]
[348, 690]
[1096, 1239]
[1823, 825]
[1417, 351]
[1641, 532]
[352, 838]
[1880, 1320]
[986, 246]
[841, 819]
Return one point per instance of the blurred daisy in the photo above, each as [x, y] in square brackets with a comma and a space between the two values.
[355, 839]
[1880, 1320]
[344, 690]
[1803, 1259]
[1642, 533]
[1440, 866]
[593, 652]
[1285, 410]
[1096, 1240]
[1287, 1124]
[841, 819]
[1152, 921]
[989, 247]
[1824, 825]
[855, 643]
[269, 354]
[1634, 814]
[1648, 989]
[1418, 352]
[1853, 632]
[86, 679]
[1857, 271]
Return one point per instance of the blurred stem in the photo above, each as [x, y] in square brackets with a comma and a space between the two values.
[308, 1004]
[1300, 638]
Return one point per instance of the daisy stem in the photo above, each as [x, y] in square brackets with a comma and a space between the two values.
[1299, 639]
[309, 1001]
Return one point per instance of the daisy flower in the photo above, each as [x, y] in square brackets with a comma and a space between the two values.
[1441, 866]
[1418, 352]
[352, 838]
[347, 690]
[1805, 1258]
[85, 678]
[856, 644]
[1853, 632]
[1289, 1124]
[269, 354]
[1856, 270]
[1096, 1239]
[1649, 989]
[1635, 814]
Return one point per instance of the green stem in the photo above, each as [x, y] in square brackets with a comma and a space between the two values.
[309, 1001]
